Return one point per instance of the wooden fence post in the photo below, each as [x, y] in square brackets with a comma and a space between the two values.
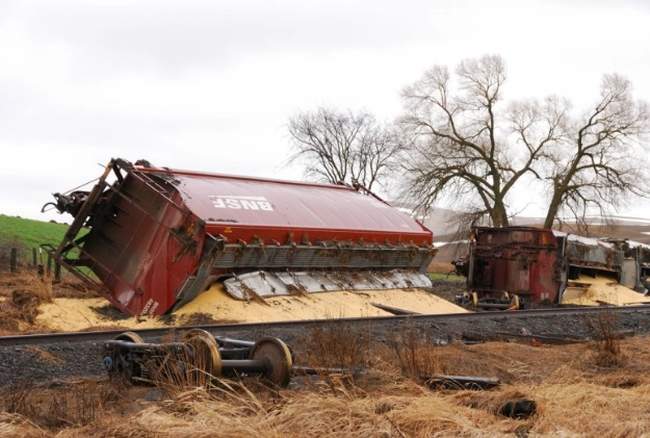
[40, 268]
[49, 264]
[57, 272]
[34, 262]
[13, 260]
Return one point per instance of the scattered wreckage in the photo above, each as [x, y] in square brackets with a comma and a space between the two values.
[514, 267]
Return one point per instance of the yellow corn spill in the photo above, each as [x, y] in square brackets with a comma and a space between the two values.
[344, 304]
[594, 291]
[74, 314]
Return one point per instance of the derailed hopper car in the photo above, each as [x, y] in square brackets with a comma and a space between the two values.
[156, 237]
[522, 262]
[535, 265]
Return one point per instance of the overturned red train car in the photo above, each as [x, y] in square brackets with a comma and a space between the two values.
[156, 237]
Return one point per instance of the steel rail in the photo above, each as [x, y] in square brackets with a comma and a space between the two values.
[101, 336]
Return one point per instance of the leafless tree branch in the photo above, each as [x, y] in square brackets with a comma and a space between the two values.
[602, 163]
[344, 147]
[465, 145]
[459, 146]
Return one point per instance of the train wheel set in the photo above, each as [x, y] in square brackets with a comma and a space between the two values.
[198, 359]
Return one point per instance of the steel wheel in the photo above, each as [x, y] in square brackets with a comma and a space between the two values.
[119, 366]
[130, 337]
[206, 358]
[278, 360]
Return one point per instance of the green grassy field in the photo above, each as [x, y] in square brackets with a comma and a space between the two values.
[437, 276]
[29, 233]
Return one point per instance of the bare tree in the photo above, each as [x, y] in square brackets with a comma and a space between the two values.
[464, 144]
[467, 144]
[601, 164]
[344, 147]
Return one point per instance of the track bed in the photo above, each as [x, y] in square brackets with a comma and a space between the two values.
[61, 356]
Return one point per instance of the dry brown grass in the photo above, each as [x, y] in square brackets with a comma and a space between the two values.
[26, 280]
[17, 426]
[43, 286]
[573, 395]
[23, 293]
[56, 408]
[413, 354]
[340, 345]
[607, 348]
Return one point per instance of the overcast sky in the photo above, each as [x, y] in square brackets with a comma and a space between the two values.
[209, 85]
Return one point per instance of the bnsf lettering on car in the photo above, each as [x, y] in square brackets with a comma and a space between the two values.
[241, 202]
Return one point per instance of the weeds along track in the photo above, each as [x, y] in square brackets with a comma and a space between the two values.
[51, 356]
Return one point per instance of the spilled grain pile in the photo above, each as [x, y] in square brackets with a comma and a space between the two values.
[216, 306]
[219, 304]
[598, 290]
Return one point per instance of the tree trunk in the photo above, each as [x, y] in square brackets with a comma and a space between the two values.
[553, 207]
[499, 215]
[551, 214]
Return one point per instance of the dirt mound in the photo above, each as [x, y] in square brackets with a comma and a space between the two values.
[25, 280]
[21, 296]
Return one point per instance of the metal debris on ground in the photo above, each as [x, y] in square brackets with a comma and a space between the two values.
[461, 382]
[197, 359]
[394, 310]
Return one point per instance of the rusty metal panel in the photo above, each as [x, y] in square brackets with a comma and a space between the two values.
[537, 263]
[135, 250]
[630, 273]
[587, 252]
[635, 271]
[641, 253]
[519, 260]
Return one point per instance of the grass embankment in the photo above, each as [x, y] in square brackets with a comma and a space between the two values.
[29, 233]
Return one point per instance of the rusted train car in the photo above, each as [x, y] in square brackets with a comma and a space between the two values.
[524, 266]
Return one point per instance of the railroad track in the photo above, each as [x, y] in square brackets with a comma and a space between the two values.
[155, 333]
[44, 357]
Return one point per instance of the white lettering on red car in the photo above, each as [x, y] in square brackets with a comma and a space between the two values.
[236, 202]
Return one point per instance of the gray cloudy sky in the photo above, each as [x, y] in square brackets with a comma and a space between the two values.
[209, 85]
